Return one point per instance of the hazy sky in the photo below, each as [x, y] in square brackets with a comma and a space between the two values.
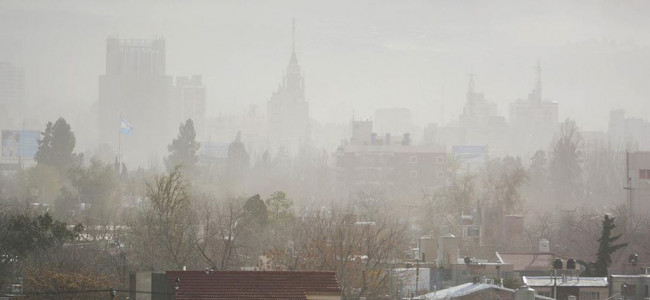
[358, 55]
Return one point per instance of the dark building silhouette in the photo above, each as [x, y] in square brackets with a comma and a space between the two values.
[136, 87]
[534, 120]
[12, 95]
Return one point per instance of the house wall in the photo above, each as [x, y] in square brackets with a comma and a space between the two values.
[323, 296]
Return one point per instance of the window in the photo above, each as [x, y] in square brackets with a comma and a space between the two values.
[414, 174]
[440, 174]
[546, 294]
[589, 295]
[414, 159]
[440, 159]
[644, 174]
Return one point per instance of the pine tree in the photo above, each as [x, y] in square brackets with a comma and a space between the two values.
[606, 248]
[183, 149]
[56, 146]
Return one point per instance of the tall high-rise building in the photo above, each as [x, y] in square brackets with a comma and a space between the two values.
[189, 102]
[534, 120]
[136, 88]
[288, 109]
[12, 97]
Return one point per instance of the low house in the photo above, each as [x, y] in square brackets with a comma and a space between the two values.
[583, 288]
[630, 287]
[486, 290]
[214, 285]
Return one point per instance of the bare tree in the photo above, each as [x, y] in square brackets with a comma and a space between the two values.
[165, 229]
[224, 230]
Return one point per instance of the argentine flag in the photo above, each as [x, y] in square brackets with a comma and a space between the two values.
[125, 127]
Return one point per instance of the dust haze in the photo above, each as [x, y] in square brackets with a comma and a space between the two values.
[501, 124]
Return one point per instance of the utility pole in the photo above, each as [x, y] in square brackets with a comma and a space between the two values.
[629, 191]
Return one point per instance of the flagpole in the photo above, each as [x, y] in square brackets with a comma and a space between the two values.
[119, 142]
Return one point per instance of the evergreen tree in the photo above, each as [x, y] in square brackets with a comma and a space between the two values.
[256, 210]
[183, 149]
[606, 247]
[238, 159]
[56, 146]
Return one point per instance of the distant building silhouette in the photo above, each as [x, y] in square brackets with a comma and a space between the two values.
[136, 88]
[631, 133]
[371, 163]
[534, 120]
[12, 95]
[395, 121]
[288, 109]
[189, 103]
[478, 125]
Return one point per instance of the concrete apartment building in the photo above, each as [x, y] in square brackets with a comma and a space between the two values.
[534, 120]
[189, 103]
[12, 95]
[638, 172]
[390, 165]
[136, 87]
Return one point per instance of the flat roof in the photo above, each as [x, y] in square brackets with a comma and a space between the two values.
[538, 281]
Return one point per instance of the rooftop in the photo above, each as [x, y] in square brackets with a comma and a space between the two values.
[536, 281]
[467, 289]
[256, 285]
[538, 261]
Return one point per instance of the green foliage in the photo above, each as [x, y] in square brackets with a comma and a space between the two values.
[97, 184]
[43, 183]
[23, 236]
[183, 149]
[256, 210]
[280, 207]
[56, 146]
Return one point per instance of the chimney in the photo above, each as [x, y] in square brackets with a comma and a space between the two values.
[524, 293]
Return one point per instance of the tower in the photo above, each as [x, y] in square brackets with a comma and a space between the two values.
[534, 120]
[136, 87]
[288, 109]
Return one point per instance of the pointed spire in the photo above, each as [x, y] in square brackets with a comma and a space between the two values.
[293, 35]
[294, 58]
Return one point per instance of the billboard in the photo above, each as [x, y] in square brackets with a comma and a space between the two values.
[23, 143]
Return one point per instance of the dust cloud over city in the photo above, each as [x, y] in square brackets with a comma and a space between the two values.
[324, 150]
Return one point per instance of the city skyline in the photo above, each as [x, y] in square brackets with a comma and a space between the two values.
[241, 69]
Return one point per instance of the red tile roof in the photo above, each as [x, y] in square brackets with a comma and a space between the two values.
[252, 285]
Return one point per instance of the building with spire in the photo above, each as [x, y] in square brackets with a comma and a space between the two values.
[534, 120]
[288, 109]
[479, 125]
